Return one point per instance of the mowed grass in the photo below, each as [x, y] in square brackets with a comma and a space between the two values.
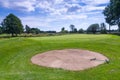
[15, 55]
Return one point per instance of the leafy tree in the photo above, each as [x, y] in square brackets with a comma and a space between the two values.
[116, 11]
[81, 31]
[103, 28]
[109, 16]
[75, 30]
[65, 31]
[0, 30]
[93, 28]
[28, 29]
[72, 27]
[112, 13]
[62, 29]
[12, 25]
[35, 30]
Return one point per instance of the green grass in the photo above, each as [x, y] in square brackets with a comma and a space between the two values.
[15, 55]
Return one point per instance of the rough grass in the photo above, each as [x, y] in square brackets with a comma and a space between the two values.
[15, 55]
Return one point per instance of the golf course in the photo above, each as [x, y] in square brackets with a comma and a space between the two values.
[16, 54]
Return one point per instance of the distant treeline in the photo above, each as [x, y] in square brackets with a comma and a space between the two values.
[92, 29]
[12, 25]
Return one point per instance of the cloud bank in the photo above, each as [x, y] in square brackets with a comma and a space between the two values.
[55, 11]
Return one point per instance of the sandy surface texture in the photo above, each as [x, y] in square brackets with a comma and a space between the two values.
[69, 59]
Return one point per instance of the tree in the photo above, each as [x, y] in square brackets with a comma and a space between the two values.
[75, 30]
[103, 28]
[93, 28]
[81, 31]
[116, 11]
[12, 25]
[109, 16]
[63, 30]
[28, 29]
[72, 27]
[0, 30]
[112, 13]
[35, 30]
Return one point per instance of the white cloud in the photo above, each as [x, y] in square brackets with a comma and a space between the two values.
[53, 6]
[95, 2]
[73, 17]
[27, 5]
[92, 8]
[100, 2]
[58, 1]
[33, 21]
[5, 3]
[58, 12]
[43, 5]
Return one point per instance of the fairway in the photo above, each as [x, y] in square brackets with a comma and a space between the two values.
[15, 55]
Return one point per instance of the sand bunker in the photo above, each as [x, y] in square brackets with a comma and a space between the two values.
[69, 59]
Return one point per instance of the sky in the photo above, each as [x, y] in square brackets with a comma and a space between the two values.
[55, 14]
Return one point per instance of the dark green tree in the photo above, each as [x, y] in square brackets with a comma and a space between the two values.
[35, 30]
[116, 11]
[109, 15]
[81, 31]
[27, 29]
[112, 13]
[103, 29]
[75, 30]
[62, 30]
[93, 28]
[72, 27]
[12, 25]
[1, 30]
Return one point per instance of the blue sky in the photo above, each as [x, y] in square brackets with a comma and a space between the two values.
[55, 14]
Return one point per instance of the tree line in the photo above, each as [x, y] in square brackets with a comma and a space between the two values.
[12, 24]
[93, 28]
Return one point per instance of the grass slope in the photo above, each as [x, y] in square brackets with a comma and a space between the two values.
[15, 55]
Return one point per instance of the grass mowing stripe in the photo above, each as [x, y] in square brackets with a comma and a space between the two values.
[20, 50]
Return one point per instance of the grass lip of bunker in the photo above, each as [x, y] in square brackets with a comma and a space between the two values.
[69, 59]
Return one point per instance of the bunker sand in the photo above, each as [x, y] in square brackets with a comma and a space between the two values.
[69, 59]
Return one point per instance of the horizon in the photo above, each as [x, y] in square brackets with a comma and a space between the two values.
[55, 14]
